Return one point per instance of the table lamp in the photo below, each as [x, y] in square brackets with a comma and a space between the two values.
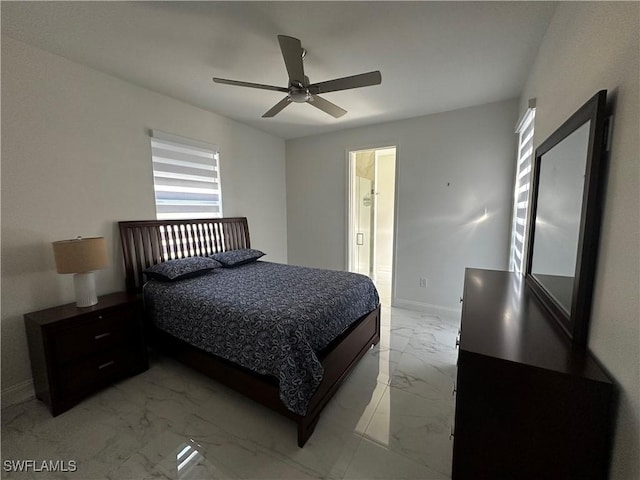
[82, 256]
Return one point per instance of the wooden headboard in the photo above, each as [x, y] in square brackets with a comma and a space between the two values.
[148, 242]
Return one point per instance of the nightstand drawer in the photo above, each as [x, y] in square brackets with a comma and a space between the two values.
[88, 336]
[98, 370]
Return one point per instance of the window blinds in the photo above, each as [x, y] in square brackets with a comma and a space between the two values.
[521, 194]
[186, 178]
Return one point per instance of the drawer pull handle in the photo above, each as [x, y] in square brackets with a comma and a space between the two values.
[458, 341]
[105, 365]
[451, 433]
[453, 392]
[102, 335]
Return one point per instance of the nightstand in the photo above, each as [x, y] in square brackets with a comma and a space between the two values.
[76, 351]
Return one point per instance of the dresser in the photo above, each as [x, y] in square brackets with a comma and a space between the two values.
[528, 405]
[76, 351]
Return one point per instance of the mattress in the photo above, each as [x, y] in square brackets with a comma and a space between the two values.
[270, 318]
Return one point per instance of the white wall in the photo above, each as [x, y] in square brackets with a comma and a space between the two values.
[591, 46]
[76, 159]
[450, 167]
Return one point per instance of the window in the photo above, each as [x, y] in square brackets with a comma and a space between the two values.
[521, 190]
[186, 178]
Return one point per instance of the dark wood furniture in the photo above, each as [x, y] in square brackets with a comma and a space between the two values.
[146, 243]
[76, 351]
[528, 406]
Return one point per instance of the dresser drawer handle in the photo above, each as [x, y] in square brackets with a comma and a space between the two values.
[458, 341]
[102, 335]
[451, 433]
[453, 392]
[105, 365]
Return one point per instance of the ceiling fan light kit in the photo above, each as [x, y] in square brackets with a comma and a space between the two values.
[300, 89]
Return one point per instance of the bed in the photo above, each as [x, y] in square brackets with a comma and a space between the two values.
[324, 320]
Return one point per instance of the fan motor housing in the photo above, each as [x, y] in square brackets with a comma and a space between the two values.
[299, 95]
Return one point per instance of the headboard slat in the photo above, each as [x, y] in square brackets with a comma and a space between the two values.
[148, 242]
[156, 242]
[217, 228]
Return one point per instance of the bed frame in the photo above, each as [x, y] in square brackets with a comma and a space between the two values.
[148, 242]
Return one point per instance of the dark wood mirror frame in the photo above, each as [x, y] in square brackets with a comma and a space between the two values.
[576, 322]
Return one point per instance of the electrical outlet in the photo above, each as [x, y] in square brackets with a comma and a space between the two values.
[423, 282]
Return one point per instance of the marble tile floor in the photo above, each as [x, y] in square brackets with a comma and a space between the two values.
[390, 419]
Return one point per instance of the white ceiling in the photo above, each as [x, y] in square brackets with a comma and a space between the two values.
[434, 56]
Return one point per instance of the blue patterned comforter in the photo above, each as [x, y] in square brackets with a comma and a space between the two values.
[270, 318]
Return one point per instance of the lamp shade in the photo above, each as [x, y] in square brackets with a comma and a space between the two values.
[80, 255]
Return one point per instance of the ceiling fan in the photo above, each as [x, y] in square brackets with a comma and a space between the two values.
[300, 90]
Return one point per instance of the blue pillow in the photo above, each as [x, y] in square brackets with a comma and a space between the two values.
[233, 258]
[181, 268]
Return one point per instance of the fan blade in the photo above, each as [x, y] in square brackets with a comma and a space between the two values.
[292, 53]
[277, 108]
[248, 84]
[346, 83]
[326, 106]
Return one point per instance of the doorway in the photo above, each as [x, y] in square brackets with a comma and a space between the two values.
[372, 181]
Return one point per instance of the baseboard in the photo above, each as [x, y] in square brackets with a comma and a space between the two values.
[18, 393]
[426, 307]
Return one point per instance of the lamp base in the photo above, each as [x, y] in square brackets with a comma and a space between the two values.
[85, 286]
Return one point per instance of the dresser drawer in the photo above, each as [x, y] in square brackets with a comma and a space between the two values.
[91, 335]
[97, 370]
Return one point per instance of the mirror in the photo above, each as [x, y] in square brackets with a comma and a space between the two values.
[560, 189]
[565, 217]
